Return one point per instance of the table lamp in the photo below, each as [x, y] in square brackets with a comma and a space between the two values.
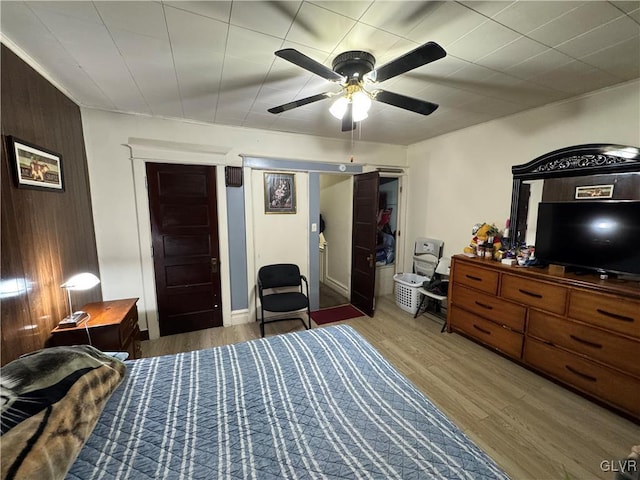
[81, 281]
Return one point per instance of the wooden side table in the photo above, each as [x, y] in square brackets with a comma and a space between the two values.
[112, 326]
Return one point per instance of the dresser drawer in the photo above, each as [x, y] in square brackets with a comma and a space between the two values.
[132, 344]
[615, 388]
[487, 332]
[493, 308]
[621, 315]
[548, 297]
[616, 351]
[129, 323]
[478, 278]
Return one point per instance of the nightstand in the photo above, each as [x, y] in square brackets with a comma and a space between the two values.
[112, 326]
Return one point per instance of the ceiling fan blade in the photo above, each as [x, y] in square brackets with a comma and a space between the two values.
[290, 11]
[347, 120]
[309, 64]
[422, 55]
[408, 103]
[299, 103]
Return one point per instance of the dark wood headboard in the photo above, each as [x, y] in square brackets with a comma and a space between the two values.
[564, 169]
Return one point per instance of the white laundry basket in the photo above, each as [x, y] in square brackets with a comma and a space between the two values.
[407, 296]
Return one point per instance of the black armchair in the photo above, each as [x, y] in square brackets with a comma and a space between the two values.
[282, 275]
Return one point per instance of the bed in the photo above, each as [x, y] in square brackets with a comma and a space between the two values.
[321, 403]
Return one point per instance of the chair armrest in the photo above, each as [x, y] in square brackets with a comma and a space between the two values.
[302, 277]
[259, 289]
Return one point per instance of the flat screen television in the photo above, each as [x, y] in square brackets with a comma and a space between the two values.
[591, 235]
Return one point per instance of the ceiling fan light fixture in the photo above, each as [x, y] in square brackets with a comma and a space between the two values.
[339, 107]
[361, 105]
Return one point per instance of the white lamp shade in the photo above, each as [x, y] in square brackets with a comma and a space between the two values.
[339, 108]
[361, 106]
[81, 281]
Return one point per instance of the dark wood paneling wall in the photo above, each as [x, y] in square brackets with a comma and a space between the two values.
[626, 187]
[46, 236]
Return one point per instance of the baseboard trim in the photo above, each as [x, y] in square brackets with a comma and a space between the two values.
[337, 286]
[238, 317]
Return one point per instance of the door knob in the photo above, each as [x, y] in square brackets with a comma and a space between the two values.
[370, 260]
[214, 265]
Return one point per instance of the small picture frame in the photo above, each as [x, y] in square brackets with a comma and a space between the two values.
[34, 166]
[594, 191]
[279, 192]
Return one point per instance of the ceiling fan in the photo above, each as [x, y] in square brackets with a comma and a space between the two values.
[355, 72]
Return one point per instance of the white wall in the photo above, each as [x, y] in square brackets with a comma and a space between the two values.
[279, 238]
[336, 201]
[283, 238]
[463, 178]
[455, 180]
[120, 208]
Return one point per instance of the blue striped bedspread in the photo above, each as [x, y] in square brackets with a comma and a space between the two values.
[321, 403]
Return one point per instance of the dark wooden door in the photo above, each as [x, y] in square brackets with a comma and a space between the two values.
[186, 260]
[365, 222]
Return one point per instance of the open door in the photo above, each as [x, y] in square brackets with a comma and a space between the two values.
[365, 222]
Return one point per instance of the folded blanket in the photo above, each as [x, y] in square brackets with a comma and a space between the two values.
[51, 401]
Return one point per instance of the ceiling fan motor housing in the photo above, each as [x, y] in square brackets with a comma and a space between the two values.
[353, 64]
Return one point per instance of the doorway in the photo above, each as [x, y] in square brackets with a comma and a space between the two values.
[336, 198]
[336, 209]
[387, 244]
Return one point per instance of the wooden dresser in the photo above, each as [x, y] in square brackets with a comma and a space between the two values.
[578, 329]
[112, 326]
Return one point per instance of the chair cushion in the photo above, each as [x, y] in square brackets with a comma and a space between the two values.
[284, 302]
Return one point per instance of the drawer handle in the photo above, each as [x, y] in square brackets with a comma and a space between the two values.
[488, 307]
[477, 279]
[531, 294]
[487, 332]
[580, 374]
[615, 315]
[586, 342]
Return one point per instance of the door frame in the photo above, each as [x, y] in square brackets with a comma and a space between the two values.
[147, 151]
[256, 162]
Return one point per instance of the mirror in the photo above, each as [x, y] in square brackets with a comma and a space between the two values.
[556, 176]
[534, 188]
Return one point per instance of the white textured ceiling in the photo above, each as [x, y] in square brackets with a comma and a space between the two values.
[213, 61]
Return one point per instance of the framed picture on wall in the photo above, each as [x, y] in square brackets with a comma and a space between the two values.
[34, 166]
[279, 192]
[594, 191]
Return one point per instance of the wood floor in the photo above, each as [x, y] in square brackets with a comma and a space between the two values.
[330, 298]
[533, 428]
